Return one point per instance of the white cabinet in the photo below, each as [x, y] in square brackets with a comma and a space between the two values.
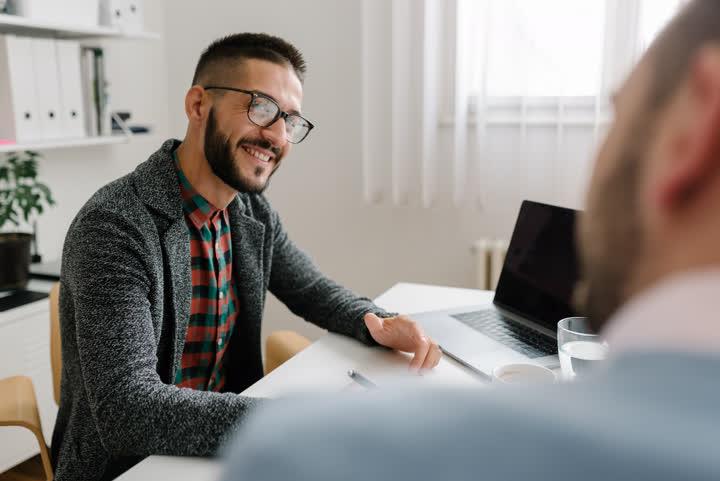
[134, 16]
[25, 350]
[82, 12]
[127, 15]
[73, 12]
[50, 10]
[113, 13]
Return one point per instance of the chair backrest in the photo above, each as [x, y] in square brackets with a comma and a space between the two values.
[55, 350]
[281, 346]
[18, 407]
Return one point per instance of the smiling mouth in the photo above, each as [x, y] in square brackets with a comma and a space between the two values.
[257, 154]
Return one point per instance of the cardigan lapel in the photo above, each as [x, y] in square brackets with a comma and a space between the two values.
[248, 239]
[157, 185]
[176, 253]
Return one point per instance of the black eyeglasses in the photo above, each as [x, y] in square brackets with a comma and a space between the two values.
[264, 111]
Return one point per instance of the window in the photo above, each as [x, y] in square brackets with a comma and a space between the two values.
[552, 48]
[460, 95]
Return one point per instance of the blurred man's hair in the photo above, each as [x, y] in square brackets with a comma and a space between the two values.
[697, 25]
[230, 51]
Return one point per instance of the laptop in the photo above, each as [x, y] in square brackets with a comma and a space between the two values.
[534, 292]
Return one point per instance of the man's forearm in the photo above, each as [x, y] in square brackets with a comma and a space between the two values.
[335, 308]
[162, 419]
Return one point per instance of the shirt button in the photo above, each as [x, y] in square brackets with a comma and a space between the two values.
[217, 246]
[220, 342]
[221, 295]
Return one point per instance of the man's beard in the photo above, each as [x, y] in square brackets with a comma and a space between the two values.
[611, 236]
[219, 154]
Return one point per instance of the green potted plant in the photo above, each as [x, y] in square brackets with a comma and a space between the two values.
[21, 197]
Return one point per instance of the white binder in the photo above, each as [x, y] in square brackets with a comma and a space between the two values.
[134, 16]
[113, 13]
[90, 112]
[82, 12]
[47, 87]
[46, 10]
[19, 115]
[72, 116]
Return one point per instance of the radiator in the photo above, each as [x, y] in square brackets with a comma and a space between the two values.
[489, 257]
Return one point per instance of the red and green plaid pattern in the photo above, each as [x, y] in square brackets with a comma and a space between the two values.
[214, 301]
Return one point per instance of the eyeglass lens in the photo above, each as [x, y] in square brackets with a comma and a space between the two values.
[263, 111]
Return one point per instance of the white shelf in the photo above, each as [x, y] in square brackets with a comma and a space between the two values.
[28, 26]
[65, 143]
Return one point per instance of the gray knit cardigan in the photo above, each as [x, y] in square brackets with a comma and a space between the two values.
[125, 301]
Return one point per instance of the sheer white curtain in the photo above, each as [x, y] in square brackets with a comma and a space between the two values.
[479, 102]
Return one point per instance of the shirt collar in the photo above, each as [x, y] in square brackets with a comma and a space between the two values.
[195, 206]
[677, 314]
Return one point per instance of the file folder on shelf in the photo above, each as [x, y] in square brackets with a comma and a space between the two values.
[134, 16]
[47, 88]
[19, 114]
[113, 13]
[72, 110]
[95, 91]
[52, 89]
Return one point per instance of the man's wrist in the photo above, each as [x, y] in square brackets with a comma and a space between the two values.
[365, 336]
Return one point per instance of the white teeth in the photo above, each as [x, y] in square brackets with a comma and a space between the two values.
[256, 154]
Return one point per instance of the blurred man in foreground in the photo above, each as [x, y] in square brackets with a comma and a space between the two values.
[650, 243]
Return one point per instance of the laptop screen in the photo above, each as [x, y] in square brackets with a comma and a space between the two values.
[540, 269]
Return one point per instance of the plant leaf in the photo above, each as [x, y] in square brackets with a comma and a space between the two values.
[21, 195]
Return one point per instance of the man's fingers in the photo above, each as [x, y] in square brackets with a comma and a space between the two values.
[373, 322]
[433, 357]
[421, 353]
[440, 355]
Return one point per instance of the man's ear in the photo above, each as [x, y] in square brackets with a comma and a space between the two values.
[195, 100]
[699, 158]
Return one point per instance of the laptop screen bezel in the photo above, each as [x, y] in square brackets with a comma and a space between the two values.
[550, 325]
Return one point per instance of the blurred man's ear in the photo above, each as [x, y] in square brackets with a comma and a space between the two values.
[697, 160]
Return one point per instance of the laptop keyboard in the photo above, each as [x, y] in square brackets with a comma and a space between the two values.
[508, 332]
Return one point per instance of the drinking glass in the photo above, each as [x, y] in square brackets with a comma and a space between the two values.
[579, 348]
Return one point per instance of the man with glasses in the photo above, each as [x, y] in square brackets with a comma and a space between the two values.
[165, 273]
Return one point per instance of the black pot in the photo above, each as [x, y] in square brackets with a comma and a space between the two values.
[14, 260]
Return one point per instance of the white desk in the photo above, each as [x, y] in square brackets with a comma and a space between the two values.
[323, 367]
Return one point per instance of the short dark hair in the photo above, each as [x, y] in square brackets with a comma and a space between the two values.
[697, 25]
[242, 46]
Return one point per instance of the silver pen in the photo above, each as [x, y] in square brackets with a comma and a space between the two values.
[476, 371]
[360, 379]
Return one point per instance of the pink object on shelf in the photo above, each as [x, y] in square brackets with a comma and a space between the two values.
[6, 142]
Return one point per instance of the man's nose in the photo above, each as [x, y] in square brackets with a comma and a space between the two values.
[275, 133]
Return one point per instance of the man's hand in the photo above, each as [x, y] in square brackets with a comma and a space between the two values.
[404, 334]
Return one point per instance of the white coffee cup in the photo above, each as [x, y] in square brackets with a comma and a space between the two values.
[522, 373]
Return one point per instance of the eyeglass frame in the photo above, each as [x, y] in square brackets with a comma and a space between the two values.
[280, 113]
